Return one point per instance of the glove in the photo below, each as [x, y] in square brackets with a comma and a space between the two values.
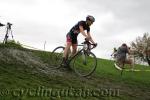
[95, 45]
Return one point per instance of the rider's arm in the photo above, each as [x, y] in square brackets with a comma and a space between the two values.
[82, 31]
[89, 35]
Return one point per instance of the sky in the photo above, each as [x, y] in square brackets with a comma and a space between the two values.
[39, 22]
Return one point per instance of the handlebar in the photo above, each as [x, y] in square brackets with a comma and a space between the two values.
[89, 44]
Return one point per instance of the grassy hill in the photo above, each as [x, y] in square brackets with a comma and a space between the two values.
[27, 75]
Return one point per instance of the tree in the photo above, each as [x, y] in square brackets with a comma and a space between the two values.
[141, 47]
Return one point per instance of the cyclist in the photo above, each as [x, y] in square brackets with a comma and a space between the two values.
[121, 56]
[71, 36]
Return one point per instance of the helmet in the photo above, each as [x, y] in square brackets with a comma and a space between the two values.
[91, 18]
[124, 44]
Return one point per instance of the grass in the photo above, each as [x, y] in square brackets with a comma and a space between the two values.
[141, 76]
[26, 83]
[12, 44]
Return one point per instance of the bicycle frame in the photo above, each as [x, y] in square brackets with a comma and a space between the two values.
[89, 48]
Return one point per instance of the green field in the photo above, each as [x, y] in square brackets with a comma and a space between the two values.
[27, 75]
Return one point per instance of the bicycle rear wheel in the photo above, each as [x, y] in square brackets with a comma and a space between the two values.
[84, 63]
[57, 57]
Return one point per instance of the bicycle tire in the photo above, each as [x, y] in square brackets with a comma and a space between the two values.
[118, 67]
[57, 57]
[79, 65]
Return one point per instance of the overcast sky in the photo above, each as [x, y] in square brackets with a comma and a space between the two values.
[37, 21]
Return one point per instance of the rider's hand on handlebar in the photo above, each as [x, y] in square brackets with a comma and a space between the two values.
[95, 45]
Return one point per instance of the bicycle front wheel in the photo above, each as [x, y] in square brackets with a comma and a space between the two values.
[57, 57]
[84, 63]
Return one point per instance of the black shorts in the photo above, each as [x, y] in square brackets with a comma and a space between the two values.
[71, 38]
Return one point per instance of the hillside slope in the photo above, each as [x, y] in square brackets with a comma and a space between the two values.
[27, 75]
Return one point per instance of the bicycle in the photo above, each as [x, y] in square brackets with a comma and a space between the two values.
[84, 62]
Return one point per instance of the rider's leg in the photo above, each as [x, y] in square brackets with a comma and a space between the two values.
[123, 59]
[74, 45]
[67, 49]
[65, 55]
[74, 49]
[121, 64]
[120, 61]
